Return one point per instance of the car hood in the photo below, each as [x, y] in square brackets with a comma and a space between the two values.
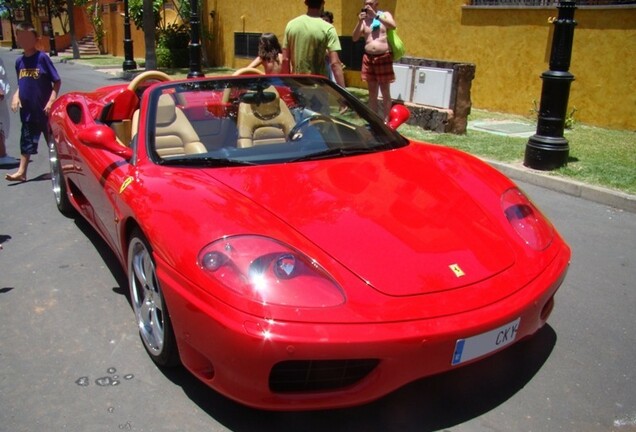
[395, 219]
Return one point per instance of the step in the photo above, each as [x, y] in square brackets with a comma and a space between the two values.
[86, 46]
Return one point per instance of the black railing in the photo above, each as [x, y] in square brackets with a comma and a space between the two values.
[522, 3]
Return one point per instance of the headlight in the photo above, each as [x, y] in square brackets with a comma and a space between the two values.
[269, 272]
[526, 219]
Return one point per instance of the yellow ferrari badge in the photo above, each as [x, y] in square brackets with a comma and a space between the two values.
[125, 184]
[457, 270]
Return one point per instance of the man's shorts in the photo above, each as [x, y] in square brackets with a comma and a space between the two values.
[30, 137]
[378, 68]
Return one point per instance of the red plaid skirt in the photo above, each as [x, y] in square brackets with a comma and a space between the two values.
[378, 68]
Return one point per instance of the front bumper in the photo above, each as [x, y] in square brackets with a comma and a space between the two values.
[235, 352]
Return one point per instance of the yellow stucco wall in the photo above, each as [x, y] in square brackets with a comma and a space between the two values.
[114, 34]
[510, 48]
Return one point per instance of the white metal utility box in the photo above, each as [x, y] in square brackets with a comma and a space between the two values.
[402, 87]
[436, 92]
[422, 85]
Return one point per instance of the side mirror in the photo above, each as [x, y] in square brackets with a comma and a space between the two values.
[398, 115]
[102, 137]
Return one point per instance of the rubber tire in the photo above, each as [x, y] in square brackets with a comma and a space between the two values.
[58, 183]
[149, 304]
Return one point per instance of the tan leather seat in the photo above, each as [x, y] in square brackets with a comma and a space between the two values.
[264, 122]
[122, 130]
[134, 128]
[174, 134]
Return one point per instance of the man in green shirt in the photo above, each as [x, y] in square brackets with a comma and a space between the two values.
[306, 41]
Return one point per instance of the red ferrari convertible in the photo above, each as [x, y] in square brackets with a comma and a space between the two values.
[292, 250]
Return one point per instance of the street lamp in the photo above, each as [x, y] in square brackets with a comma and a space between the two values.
[195, 45]
[14, 45]
[548, 149]
[129, 62]
[52, 50]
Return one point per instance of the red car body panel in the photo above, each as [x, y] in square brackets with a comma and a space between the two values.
[387, 226]
[408, 349]
[325, 199]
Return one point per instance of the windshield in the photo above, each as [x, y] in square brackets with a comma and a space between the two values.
[259, 120]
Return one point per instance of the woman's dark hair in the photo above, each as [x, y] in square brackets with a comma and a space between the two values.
[269, 47]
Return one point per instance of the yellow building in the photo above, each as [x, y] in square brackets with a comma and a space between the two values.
[510, 47]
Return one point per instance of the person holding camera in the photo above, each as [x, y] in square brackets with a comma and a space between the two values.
[377, 62]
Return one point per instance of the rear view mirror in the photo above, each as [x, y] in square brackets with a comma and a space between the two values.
[258, 98]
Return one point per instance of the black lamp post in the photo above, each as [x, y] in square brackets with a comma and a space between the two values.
[14, 45]
[548, 149]
[52, 50]
[129, 62]
[195, 45]
[27, 12]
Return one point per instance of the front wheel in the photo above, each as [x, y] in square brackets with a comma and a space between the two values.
[149, 305]
[58, 183]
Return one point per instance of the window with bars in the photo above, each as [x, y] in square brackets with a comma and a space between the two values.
[246, 44]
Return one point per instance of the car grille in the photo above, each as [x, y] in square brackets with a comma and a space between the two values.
[318, 375]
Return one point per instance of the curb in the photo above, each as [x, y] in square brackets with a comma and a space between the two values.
[111, 70]
[597, 194]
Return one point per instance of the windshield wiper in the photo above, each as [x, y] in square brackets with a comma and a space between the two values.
[339, 151]
[204, 162]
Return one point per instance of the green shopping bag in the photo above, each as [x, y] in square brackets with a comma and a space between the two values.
[396, 44]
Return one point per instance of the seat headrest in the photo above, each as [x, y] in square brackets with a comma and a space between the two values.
[267, 109]
[166, 113]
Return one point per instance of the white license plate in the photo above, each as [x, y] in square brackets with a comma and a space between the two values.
[482, 344]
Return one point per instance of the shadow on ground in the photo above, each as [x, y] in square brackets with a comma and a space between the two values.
[111, 261]
[429, 404]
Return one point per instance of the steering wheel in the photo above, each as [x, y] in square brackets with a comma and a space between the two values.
[242, 71]
[295, 132]
[147, 76]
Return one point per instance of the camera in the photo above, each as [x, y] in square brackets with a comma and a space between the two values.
[364, 9]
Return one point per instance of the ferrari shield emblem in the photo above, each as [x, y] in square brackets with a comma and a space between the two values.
[457, 270]
[125, 184]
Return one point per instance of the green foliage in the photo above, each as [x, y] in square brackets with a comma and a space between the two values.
[569, 119]
[569, 116]
[174, 39]
[6, 9]
[175, 36]
[136, 11]
[183, 9]
[164, 57]
[58, 10]
[93, 10]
